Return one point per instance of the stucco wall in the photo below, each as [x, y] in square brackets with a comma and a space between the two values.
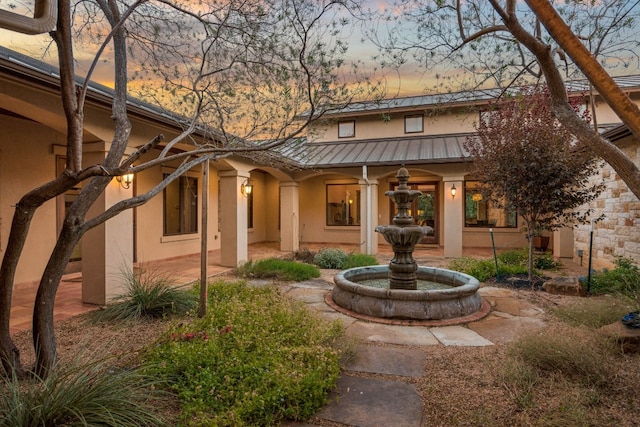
[313, 228]
[372, 127]
[151, 244]
[26, 161]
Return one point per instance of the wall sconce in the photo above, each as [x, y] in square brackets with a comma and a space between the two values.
[246, 188]
[453, 191]
[125, 180]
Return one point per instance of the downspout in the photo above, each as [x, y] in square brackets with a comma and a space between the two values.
[368, 233]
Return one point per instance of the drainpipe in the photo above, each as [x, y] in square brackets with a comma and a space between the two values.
[368, 234]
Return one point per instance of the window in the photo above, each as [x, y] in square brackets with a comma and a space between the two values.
[414, 123]
[343, 204]
[347, 129]
[479, 212]
[250, 208]
[181, 206]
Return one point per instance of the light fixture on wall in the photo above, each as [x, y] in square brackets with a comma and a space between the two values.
[246, 188]
[453, 191]
[125, 180]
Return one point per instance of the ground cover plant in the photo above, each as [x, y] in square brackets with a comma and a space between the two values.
[275, 268]
[256, 358]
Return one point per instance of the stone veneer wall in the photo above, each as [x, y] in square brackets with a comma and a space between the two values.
[618, 234]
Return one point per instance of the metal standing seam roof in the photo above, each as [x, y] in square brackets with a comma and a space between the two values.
[468, 97]
[339, 154]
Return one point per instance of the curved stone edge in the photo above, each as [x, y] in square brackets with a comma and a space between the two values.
[462, 284]
[485, 309]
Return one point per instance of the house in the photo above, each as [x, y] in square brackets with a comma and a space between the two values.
[334, 195]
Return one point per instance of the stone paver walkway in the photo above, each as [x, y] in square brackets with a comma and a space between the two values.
[376, 386]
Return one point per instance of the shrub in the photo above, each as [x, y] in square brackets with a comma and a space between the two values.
[623, 280]
[509, 263]
[330, 258]
[515, 257]
[481, 269]
[359, 260]
[278, 269]
[593, 312]
[571, 353]
[545, 261]
[304, 255]
[95, 394]
[256, 358]
[147, 294]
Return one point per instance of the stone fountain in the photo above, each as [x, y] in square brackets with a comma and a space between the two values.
[404, 290]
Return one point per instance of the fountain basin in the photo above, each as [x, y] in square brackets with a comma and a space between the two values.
[459, 300]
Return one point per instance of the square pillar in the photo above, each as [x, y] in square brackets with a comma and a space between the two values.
[289, 216]
[453, 216]
[234, 246]
[368, 221]
[107, 250]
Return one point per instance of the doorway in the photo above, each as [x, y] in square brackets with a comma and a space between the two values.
[424, 209]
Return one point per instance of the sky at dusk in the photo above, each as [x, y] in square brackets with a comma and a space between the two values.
[408, 80]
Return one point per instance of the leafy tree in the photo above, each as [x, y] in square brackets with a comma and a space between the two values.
[233, 69]
[476, 43]
[527, 160]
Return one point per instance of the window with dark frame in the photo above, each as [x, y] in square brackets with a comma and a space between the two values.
[343, 204]
[480, 213]
[180, 206]
[347, 129]
[414, 123]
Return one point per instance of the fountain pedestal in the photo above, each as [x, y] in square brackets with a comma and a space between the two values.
[403, 235]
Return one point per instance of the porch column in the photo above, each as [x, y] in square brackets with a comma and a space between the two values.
[107, 250]
[563, 243]
[453, 216]
[368, 216]
[289, 216]
[234, 247]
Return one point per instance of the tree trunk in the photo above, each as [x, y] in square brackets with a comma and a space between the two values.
[530, 261]
[44, 340]
[73, 229]
[25, 209]
[9, 353]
